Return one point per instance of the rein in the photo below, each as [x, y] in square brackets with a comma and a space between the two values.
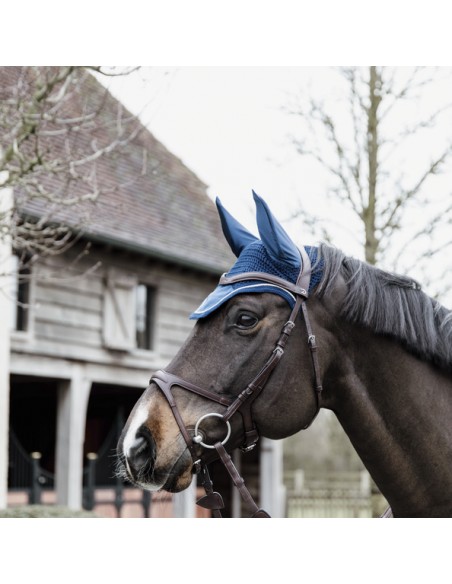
[243, 402]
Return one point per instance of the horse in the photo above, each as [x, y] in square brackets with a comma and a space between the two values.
[286, 332]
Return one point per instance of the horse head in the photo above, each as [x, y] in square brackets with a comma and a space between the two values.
[197, 401]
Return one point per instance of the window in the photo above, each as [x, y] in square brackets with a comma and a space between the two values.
[144, 317]
[129, 313]
[20, 294]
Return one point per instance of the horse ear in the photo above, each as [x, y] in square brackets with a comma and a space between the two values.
[236, 235]
[274, 237]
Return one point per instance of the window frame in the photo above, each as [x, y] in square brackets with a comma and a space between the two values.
[149, 316]
[18, 264]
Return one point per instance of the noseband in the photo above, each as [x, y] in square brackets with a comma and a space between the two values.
[243, 402]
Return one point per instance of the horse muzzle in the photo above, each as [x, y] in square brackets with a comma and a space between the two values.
[140, 458]
[139, 462]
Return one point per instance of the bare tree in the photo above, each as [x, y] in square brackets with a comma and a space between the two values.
[53, 133]
[384, 166]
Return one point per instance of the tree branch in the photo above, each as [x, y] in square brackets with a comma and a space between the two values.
[404, 197]
[53, 133]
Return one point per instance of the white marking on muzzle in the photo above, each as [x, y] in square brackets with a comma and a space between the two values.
[140, 417]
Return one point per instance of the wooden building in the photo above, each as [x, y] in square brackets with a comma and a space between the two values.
[90, 327]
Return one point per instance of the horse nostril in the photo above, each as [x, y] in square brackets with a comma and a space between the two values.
[142, 452]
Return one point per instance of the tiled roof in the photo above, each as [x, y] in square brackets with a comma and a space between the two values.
[149, 200]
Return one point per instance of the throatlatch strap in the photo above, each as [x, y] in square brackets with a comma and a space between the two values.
[313, 348]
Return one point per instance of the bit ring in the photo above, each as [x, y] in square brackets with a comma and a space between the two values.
[198, 438]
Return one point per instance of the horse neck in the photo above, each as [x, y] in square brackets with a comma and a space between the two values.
[396, 410]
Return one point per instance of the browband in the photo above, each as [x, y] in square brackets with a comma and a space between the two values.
[300, 288]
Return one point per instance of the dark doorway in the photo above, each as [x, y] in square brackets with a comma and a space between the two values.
[33, 406]
[108, 409]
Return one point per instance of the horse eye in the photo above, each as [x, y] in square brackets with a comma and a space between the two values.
[246, 321]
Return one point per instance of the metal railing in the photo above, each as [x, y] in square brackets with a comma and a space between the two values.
[27, 476]
[328, 494]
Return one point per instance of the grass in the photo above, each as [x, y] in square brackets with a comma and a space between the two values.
[44, 511]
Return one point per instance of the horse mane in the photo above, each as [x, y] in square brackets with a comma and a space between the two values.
[391, 305]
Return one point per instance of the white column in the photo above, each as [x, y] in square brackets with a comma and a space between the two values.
[184, 503]
[272, 491]
[73, 398]
[6, 201]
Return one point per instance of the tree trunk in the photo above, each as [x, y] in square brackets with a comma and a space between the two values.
[369, 211]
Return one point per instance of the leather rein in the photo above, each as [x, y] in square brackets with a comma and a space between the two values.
[243, 402]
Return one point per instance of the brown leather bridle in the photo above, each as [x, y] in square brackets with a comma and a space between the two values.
[243, 402]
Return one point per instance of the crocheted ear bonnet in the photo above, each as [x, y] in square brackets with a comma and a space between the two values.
[273, 254]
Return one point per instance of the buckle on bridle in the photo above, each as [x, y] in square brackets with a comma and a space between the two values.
[248, 448]
[251, 439]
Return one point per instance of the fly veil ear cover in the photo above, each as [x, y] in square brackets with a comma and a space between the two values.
[236, 235]
[278, 244]
[274, 254]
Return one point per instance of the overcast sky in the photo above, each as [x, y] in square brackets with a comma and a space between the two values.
[231, 127]
[227, 124]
